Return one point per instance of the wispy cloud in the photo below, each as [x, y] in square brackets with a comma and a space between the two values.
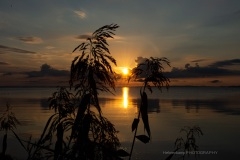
[6, 49]
[81, 14]
[30, 40]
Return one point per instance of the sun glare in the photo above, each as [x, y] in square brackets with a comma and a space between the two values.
[125, 71]
[125, 96]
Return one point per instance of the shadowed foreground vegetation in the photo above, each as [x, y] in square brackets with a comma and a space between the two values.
[78, 129]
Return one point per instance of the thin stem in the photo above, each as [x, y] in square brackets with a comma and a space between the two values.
[138, 122]
[134, 135]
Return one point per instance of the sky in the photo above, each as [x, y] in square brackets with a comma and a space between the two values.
[199, 37]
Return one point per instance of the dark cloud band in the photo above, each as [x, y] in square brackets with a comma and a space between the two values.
[226, 63]
[197, 71]
[47, 70]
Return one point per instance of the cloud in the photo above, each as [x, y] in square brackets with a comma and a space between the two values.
[226, 63]
[83, 36]
[49, 47]
[3, 63]
[140, 60]
[81, 14]
[199, 60]
[115, 37]
[89, 35]
[30, 40]
[191, 72]
[47, 70]
[6, 49]
[205, 71]
[215, 81]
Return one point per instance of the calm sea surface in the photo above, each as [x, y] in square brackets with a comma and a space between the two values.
[216, 110]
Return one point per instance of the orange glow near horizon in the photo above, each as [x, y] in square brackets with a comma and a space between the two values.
[125, 71]
[125, 96]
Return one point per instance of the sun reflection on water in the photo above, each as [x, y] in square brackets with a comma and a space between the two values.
[125, 91]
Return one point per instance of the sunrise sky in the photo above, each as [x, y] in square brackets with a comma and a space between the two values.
[199, 37]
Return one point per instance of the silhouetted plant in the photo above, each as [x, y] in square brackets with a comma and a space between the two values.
[150, 73]
[62, 102]
[82, 133]
[77, 130]
[189, 143]
[8, 122]
[91, 72]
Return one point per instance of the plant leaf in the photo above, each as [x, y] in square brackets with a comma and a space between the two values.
[144, 112]
[143, 138]
[122, 153]
[135, 124]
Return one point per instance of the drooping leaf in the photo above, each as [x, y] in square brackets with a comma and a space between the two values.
[143, 138]
[135, 124]
[144, 112]
[122, 153]
[4, 145]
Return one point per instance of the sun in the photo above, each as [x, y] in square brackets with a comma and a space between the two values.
[125, 71]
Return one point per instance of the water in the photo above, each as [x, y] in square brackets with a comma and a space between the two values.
[215, 109]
